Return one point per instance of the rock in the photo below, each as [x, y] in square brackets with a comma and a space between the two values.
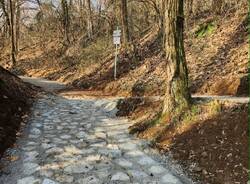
[35, 131]
[78, 168]
[110, 153]
[124, 163]
[31, 156]
[28, 180]
[46, 173]
[157, 169]
[139, 175]
[48, 181]
[169, 178]
[37, 125]
[128, 146]
[145, 160]
[89, 180]
[47, 146]
[65, 137]
[65, 179]
[54, 150]
[120, 176]
[30, 168]
[101, 135]
[81, 135]
[29, 148]
[93, 158]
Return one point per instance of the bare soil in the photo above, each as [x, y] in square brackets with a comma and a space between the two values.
[211, 147]
[16, 98]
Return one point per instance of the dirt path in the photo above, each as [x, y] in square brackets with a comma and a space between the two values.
[80, 141]
[43, 83]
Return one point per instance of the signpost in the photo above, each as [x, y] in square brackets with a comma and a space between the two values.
[117, 42]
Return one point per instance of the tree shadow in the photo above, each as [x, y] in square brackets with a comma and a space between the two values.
[222, 57]
[217, 145]
[128, 61]
[51, 64]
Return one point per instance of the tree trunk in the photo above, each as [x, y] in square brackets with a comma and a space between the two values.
[18, 15]
[124, 18]
[7, 18]
[66, 22]
[13, 48]
[89, 19]
[177, 96]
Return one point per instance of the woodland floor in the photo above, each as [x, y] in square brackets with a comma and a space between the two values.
[213, 148]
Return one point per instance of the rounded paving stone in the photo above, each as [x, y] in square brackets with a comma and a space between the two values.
[120, 176]
[78, 168]
[30, 168]
[65, 179]
[89, 180]
[157, 169]
[49, 181]
[28, 180]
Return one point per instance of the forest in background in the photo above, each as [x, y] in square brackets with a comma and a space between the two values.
[71, 41]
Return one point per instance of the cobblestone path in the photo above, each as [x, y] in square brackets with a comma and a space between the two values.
[80, 141]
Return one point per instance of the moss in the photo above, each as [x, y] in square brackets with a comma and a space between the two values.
[205, 30]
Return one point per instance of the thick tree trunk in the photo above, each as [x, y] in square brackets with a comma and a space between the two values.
[13, 48]
[124, 18]
[177, 95]
[89, 19]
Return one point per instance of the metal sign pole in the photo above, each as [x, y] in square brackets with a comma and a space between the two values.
[117, 42]
[116, 57]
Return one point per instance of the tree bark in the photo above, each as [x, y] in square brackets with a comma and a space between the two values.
[124, 18]
[177, 96]
[13, 48]
[89, 19]
[17, 27]
[66, 21]
[7, 18]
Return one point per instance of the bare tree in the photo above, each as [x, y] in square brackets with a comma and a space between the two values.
[89, 19]
[13, 47]
[124, 18]
[65, 18]
[17, 25]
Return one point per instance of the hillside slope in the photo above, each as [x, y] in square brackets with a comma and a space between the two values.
[15, 100]
[217, 60]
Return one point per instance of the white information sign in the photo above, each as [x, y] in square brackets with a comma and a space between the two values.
[117, 40]
[117, 37]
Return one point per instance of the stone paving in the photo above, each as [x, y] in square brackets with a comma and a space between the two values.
[80, 141]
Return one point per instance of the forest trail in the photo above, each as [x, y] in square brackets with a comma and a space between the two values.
[54, 86]
[81, 141]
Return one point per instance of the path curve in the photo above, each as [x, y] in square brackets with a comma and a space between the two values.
[81, 141]
[47, 85]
